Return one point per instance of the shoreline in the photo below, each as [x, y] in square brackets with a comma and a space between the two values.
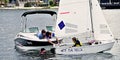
[27, 8]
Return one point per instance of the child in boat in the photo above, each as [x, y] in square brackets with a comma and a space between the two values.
[77, 42]
[49, 36]
[42, 34]
[92, 42]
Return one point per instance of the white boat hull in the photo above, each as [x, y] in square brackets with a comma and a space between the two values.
[28, 41]
[84, 49]
[32, 48]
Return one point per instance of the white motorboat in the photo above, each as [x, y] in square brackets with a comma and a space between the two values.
[82, 19]
[27, 39]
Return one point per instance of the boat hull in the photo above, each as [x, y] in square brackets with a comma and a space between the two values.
[84, 49]
[31, 48]
[27, 45]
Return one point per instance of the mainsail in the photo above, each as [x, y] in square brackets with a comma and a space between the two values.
[73, 18]
[82, 16]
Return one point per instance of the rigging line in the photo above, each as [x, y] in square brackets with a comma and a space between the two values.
[91, 16]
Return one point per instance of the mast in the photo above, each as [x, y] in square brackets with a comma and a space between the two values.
[91, 17]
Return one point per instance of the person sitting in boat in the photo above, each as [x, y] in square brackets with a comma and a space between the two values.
[92, 42]
[49, 36]
[42, 34]
[77, 42]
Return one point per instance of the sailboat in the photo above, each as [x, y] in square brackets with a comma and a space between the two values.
[82, 19]
[27, 39]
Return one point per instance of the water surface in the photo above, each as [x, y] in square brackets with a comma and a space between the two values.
[10, 22]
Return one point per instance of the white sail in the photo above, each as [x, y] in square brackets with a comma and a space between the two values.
[83, 17]
[100, 26]
[73, 17]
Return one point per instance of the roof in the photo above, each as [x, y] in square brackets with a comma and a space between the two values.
[39, 12]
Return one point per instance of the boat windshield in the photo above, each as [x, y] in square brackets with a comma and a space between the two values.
[33, 30]
[36, 22]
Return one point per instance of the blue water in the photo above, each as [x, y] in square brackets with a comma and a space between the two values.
[10, 26]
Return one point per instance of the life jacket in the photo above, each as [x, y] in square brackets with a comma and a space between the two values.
[78, 44]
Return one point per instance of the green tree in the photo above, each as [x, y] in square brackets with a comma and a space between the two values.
[51, 3]
[6, 2]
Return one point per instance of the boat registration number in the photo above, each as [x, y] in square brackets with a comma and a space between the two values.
[72, 50]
